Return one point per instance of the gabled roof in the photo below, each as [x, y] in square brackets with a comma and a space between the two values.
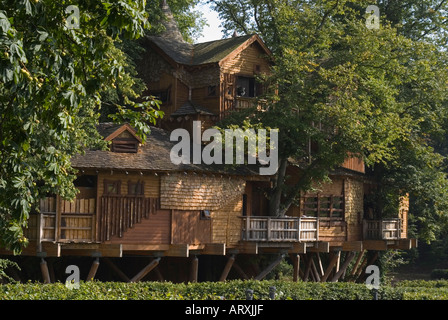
[111, 130]
[205, 53]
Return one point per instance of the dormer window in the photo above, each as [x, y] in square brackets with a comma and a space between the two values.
[124, 140]
[125, 145]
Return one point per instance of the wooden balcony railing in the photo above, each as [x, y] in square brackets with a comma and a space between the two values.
[285, 229]
[63, 221]
[385, 229]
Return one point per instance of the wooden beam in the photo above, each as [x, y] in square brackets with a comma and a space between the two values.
[319, 246]
[178, 250]
[120, 273]
[217, 249]
[352, 246]
[374, 245]
[248, 247]
[139, 276]
[344, 266]
[228, 266]
[298, 247]
[93, 269]
[269, 268]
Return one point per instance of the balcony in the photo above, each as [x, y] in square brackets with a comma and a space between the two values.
[285, 229]
[385, 229]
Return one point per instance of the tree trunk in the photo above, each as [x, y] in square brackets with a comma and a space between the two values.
[276, 194]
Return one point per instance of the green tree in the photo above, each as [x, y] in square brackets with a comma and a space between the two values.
[52, 78]
[341, 88]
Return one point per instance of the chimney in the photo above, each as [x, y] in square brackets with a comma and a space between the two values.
[172, 29]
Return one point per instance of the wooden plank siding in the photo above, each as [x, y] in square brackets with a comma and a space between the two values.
[187, 227]
[154, 230]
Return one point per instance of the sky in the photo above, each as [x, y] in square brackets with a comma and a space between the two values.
[212, 32]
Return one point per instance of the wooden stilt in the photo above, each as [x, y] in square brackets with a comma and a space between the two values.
[240, 271]
[372, 260]
[307, 267]
[139, 276]
[296, 263]
[319, 261]
[269, 268]
[51, 272]
[357, 262]
[330, 266]
[44, 270]
[315, 272]
[116, 270]
[344, 266]
[158, 273]
[228, 266]
[194, 269]
[338, 262]
[93, 269]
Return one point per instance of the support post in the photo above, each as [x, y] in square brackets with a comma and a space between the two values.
[194, 269]
[265, 272]
[93, 269]
[344, 266]
[309, 260]
[330, 266]
[139, 276]
[358, 260]
[227, 268]
[296, 263]
[44, 270]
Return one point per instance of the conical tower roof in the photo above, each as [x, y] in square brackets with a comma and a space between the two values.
[172, 29]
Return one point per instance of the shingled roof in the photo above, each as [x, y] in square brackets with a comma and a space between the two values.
[154, 155]
[172, 44]
[191, 108]
[200, 53]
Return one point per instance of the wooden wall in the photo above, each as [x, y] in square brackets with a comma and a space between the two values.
[226, 222]
[189, 228]
[245, 62]
[198, 192]
[152, 182]
[155, 230]
[354, 207]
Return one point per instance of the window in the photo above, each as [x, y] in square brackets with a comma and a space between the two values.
[205, 215]
[162, 95]
[247, 87]
[125, 146]
[112, 187]
[330, 207]
[136, 188]
[212, 91]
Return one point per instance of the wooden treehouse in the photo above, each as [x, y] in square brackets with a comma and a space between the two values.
[193, 222]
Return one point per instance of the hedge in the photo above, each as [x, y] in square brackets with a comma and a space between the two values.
[230, 290]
